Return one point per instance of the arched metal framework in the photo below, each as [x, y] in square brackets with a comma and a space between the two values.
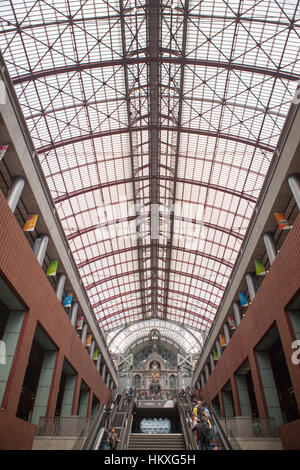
[155, 123]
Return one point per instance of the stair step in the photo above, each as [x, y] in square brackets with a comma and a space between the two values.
[156, 442]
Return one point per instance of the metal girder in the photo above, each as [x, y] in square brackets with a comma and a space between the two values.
[128, 273]
[179, 118]
[96, 187]
[153, 40]
[188, 130]
[149, 318]
[161, 60]
[132, 151]
[124, 250]
[80, 232]
[194, 297]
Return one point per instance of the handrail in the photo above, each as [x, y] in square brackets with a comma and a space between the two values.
[100, 438]
[187, 431]
[92, 435]
[94, 429]
[125, 433]
[225, 441]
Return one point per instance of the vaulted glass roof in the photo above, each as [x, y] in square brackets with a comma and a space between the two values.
[155, 124]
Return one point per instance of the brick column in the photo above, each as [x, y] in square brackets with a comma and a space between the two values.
[222, 408]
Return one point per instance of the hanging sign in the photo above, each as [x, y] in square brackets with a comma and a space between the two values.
[215, 355]
[88, 340]
[3, 150]
[282, 221]
[79, 323]
[68, 300]
[243, 299]
[30, 223]
[259, 267]
[52, 268]
[96, 354]
[231, 323]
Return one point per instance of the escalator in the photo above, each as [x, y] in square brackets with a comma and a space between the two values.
[105, 420]
[216, 431]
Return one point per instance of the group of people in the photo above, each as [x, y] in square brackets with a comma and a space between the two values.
[201, 422]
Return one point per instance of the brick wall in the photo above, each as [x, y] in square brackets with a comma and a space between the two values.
[279, 287]
[21, 270]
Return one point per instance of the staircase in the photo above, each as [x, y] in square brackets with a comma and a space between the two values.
[156, 442]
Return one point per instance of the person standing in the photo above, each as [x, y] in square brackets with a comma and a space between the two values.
[113, 439]
[199, 434]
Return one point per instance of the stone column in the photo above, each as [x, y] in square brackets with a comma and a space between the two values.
[294, 184]
[252, 285]
[40, 247]
[15, 191]
[270, 246]
[84, 333]
[61, 279]
[237, 313]
[73, 313]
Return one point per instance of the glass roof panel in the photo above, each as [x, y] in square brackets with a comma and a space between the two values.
[155, 128]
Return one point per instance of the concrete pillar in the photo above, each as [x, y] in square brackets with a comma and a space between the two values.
[202, 381]
[252, 285]
[40, 247]
[212, 362]
[269, 387]
[228, 403]
[218, 349]
[83, 403]
[61, 279]
[103, 372]
[15, 192]
[98, 364]
[108, 379]
[43, 391]
[259, 394]
[92, 348]
[226, 333]
[237, 313]
[270, 246]
[294, 184]
[243, 393]
[73, 313]
[206, 372]
[84, 333]
[235, 396]
[10, 338]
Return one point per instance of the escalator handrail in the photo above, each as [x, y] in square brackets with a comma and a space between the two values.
[187, 431]
[125, 433]
[95, 427]
[100, 436]
[223, 435]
